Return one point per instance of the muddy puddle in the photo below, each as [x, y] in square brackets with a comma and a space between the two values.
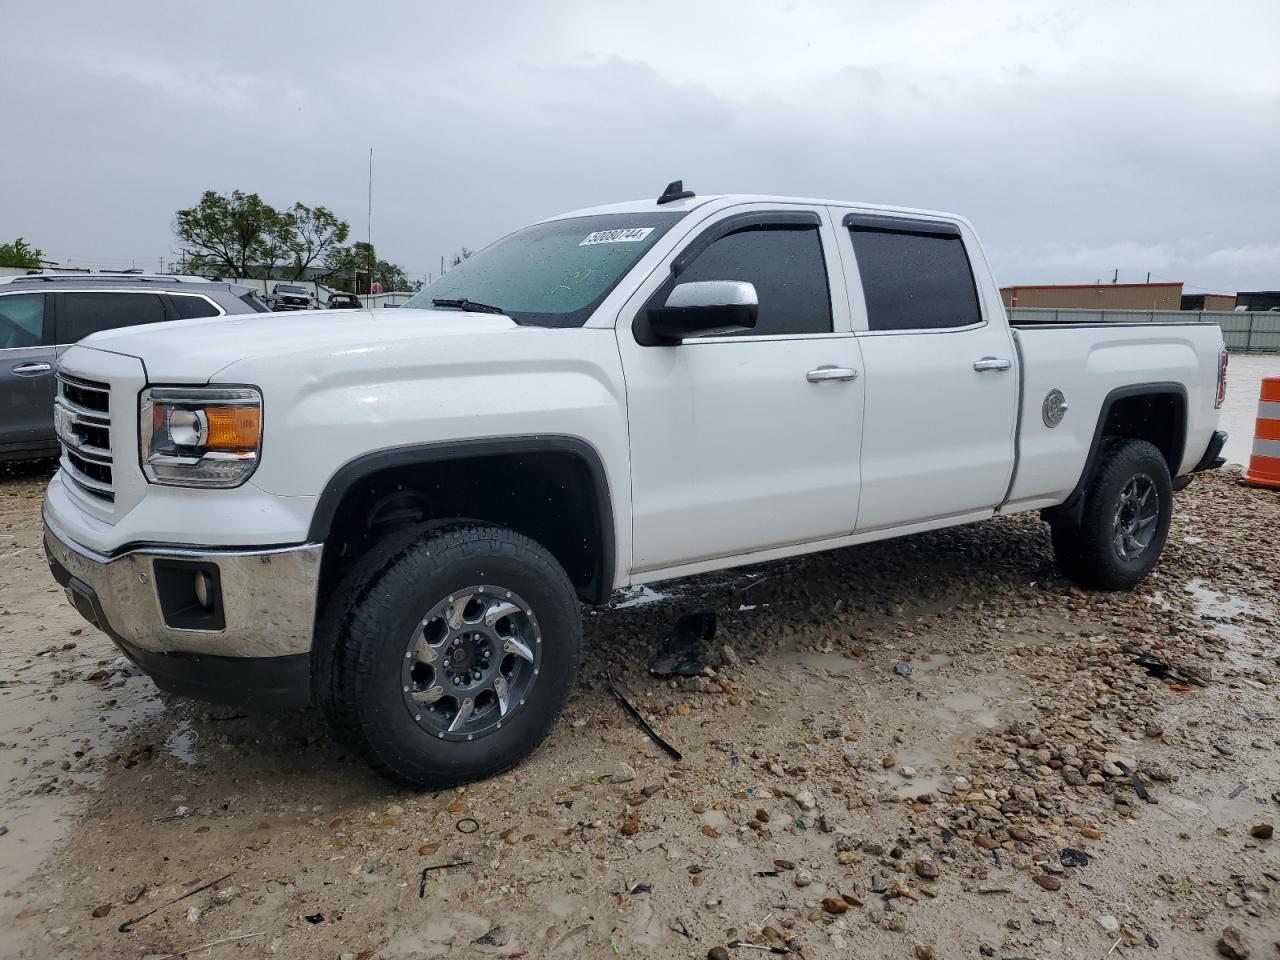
[55, 735]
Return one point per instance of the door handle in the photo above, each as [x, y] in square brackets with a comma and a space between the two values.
[992, 363]
[831, 373]
[32, 369]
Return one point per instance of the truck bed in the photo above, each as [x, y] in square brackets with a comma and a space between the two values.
[1092, 364]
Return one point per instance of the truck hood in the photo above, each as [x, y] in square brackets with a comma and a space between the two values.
[193, 351]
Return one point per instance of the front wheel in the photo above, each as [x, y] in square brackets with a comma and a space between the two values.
[1128, 504]
[450, 653]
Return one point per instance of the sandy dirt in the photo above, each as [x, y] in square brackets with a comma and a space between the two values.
[828, 804]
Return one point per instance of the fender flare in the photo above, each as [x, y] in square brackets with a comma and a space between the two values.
[1071, 508]
[353, 471]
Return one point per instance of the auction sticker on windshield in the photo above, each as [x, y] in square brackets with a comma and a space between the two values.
[629, 235]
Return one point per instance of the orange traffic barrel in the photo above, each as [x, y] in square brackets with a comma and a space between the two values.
[1264, 463]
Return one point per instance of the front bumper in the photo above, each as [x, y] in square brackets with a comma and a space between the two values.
[251, 644]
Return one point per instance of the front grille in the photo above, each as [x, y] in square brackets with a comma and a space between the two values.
[83, 420]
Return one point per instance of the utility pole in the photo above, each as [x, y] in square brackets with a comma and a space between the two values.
[369, 227]
[1116, 277]
[1148, 276]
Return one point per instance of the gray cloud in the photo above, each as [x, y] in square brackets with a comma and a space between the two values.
[1079, 139]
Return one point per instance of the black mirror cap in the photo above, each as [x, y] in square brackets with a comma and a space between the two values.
[673, 324]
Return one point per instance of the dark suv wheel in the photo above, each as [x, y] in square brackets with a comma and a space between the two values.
[1128, 504]
[449, 653]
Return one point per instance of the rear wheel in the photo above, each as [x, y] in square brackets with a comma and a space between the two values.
[450, 653]
[1128, 504]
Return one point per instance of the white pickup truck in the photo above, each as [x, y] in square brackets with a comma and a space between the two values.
[395, 514]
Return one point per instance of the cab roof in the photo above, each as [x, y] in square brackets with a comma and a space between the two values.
[722, 200]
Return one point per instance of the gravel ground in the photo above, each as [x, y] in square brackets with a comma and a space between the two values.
[910, 749]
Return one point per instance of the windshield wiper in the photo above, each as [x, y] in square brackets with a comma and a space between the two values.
[465, 304]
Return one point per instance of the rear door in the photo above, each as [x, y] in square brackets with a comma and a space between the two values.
[27, 356]
[941, 373]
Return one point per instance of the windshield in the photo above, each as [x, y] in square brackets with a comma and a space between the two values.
[551, 274]
[284, 289]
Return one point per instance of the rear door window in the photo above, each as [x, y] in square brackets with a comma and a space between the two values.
[84, 313]
[913, 278]
[21, 320]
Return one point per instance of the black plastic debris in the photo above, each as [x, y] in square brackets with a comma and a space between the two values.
[1154, 667]
[688, 652]
[641, 888]
[634, 714]
[493, 937]
[314, 918]
[1071, 857]
[1138, 788]
[1152, 942]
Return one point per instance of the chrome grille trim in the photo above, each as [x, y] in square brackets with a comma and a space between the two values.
[90, 409]
[84, 413]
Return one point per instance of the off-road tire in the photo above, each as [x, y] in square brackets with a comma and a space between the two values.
[1087, 551]
[363, 634]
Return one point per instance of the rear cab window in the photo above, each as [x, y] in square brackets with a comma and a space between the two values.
[915, 274]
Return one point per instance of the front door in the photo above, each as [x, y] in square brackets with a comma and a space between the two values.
[738, 442]
[27, 358]
[941, 377]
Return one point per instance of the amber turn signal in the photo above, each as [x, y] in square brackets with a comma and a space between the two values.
[233, 428]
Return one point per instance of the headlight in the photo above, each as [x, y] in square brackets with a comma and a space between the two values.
[200, 436]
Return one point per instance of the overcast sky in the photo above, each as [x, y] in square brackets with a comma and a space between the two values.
[1078, 137]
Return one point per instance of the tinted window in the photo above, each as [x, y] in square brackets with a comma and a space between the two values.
[190, 307]
[86, 313]
[915, 281]
[788, 272]
[21, 320]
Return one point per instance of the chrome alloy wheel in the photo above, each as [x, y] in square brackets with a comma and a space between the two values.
[471, 662]
[1137, 516]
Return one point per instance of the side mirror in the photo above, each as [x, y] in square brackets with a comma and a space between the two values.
[705, 307]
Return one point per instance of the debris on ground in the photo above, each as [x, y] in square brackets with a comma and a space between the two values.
[689, 650]
[821, 800]
[634, 714]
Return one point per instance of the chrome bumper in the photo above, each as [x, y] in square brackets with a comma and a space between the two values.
[268, 596]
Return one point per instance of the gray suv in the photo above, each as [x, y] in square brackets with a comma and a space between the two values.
[43, 314]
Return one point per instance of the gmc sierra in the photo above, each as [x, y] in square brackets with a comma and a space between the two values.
[394, 515]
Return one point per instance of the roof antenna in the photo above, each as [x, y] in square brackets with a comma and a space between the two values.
[675, 191]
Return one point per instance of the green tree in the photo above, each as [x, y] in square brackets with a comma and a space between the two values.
[310, 233]
[355, 264]
[457, 258]
[21, 254]
[231, 231]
